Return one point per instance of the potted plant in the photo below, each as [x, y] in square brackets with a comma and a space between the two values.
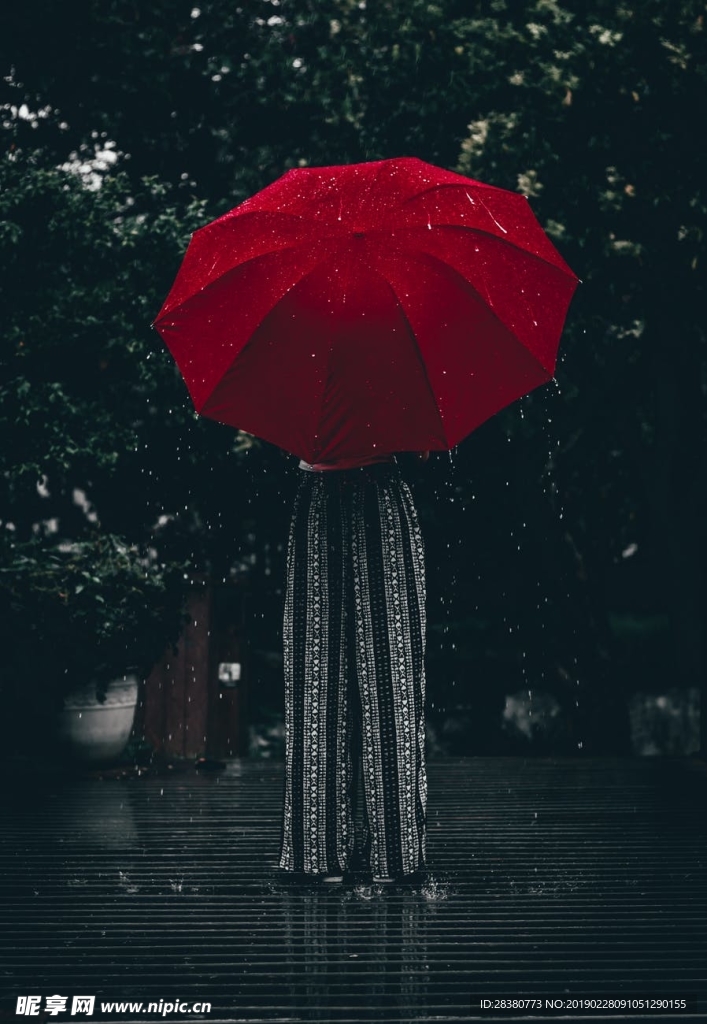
[85, 619]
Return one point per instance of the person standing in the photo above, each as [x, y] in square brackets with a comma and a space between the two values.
[354, 632]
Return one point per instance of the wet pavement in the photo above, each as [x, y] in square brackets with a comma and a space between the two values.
[549, 878]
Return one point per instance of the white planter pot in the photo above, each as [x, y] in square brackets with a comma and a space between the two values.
[93, 732]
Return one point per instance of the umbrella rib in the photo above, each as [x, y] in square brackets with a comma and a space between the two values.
[417, 349]
[504, 241]
[435, 188]
[454, 184]
[518, 248]
[234, 215]
[231, 270]
[303, 218]
[257, 326]
[468, 287]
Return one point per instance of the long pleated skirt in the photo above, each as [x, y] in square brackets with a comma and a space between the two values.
[354, 664]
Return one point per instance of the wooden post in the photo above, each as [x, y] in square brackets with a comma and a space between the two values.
[228, 690]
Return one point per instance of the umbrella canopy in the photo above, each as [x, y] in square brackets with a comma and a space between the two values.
[367, 308]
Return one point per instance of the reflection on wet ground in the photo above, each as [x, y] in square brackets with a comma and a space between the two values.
[548, 877]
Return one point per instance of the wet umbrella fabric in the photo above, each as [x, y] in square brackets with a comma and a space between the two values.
[377, 307]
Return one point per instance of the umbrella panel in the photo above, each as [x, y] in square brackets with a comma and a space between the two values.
[331, 372]
[349, 362]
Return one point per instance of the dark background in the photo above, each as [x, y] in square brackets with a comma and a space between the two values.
[564, 538]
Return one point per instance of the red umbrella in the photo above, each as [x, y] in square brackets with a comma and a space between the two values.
[376, 307]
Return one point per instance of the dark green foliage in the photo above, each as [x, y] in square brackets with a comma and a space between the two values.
[84, 611]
